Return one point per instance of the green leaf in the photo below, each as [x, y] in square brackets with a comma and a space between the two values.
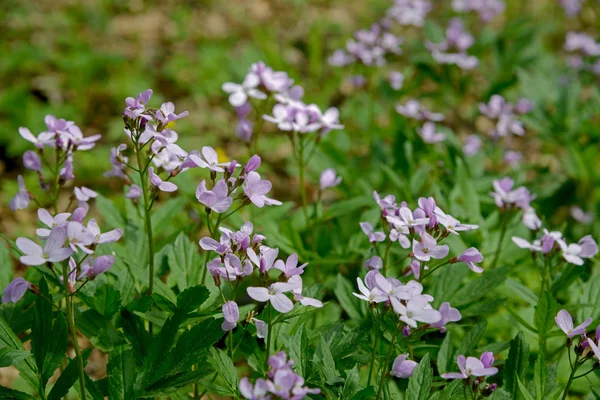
[419, 384]
[42, 326]
[479, 287]
[111, 214]
[521, 291]
[344, 207]
[523, 390]
[540, 373]
[107, 300]
[26, 367]
[10, 356]
[454, 390]
[161, 216]
[516, 364]
[472, 338]
[299, 350]
[350, 304]
[326, 364]
[351, 385]
[184, 262]
[192, 298]
[445, 354]
[545, 310]
[122, 374]
[10, 394]
[224, 367]
[57, 344]
[69, 376]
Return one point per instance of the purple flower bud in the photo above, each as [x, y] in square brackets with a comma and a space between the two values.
[471, 256]
[66, 172]
[261, 328]
[403, 368]
[329, 179]
[252, 164]
[15, 290]
[80, 213]
[589, 247]
[32, 161]
[231, 313]
[101, 265]
[523, 106]
[405, 331]
[374, 262]
[487, 359]
[134, 192]
[21, 199]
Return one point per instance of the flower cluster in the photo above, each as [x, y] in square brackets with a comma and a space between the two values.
[573, 253]
[478, 368]
[505, 116]
[584, 50]
[65, 138]
[65, 236]
[240, 253]
[588, 346]
[369, 47]
[427, 225]
[453, 49]
[409, 12]
[507, 197]
[486, 9]
[281, 383]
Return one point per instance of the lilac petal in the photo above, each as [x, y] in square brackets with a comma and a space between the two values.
[167, 187]
[29, 247]
[231, 313]
[33, 260]
[564, 321]
[110, 236]
[258, 293]
[281, 303]
[580, 329]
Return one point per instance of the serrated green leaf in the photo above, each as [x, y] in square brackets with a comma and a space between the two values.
[26, 367]
[192, 298]
[224, 367]
[351, 385]
[545, 310]
[523, 390]
[540, 373]
[419, 384]
[68, 377]
[122, 373]
[10, 394]
[516, 364]
[445, 354]
[10, 356]
[184, 262]
[472, 338]
[326, 364]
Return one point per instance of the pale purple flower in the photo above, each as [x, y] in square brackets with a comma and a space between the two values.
[164, 143]
[396, 80]
[275, 294]
[84, 194]
[222, 247]
[417, 309]
[398, 234]
[53, 250]
[427, 248]
[75, 137]
[391, 287]
[374, 262]
[524, 244]
[410, 12]
[51, 222]
[32, 161]
[374, 237]
[256, 189]
[106, 237]
[167, 114]
[44, 138]
[329, 120]
[252, 164]
[449, 314]
[134, 192]
[571, 252]
[531, 220]
[472, 145]
[565, 322]
[297, 292]
[99, 266]
[589, 247]
[403, 368]
[257, 392]
[415, 268]
[216, 199]
[429, 134]
[282, 117]
[66, 172]
[261, 328]
[451, 224]
[231, 313]
[593, 346]
[80, 212]
[21, 199]
[239, 94]
[267, 259]
[374, 295]
[290, 268]
[470, 366]
[164, 186]
[208, 159]
[505, 196]
[79, 237]
[140, 101]
[471, 256]
[523, 106]
[329, 179]
[244, 129]
[415, 110]
[581, 216]
[406, 219]
[15, 290]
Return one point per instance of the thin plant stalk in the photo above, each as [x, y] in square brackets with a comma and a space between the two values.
[574, 369]
[72, 330]
[387, 361]
[500, 240]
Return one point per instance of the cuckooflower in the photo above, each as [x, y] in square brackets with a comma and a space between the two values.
[32, 161]
[79, 237]
[367, 228]
[231, 313]
[403, 368]
[593, 346]
[106, 237]
[290, 268]
[238, 94]
[99, 266]
[159, 183]
[256, 189]
[406, 219]
[565, 322]
[417, 309]
[275, 294]
[449, 314]
[297, 292]
[15, 290]
[216, 199]
[427, 248]
[429, 134]
[51, 222]
[53, 250]
[470, 366]
[257, 392]
[21, 199]
[329, 179]
[471, 256]
[372, 296]
[84, 194]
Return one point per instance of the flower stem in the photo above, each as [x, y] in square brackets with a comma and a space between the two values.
[148, 221]
[301, 173]
[72, 330]
[387, 361]
[571, 376]
[270, 328]
[500, 240]
[373, 352]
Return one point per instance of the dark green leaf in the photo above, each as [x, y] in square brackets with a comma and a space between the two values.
[540, 373]
[351, 385]
[224, 367]
[472, 338]
[10, 356]
[57, 344]
[350, 304]
[111, 214]
[445, 354]
[516, 364]
[184, 262]
[27, 366]
[10, 394]
[326, 364]
[69, 376]
[419, 384]
[122, 374]
[192, 298]
[545, 310]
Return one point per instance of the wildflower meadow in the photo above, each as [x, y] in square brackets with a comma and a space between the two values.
[273, 199]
